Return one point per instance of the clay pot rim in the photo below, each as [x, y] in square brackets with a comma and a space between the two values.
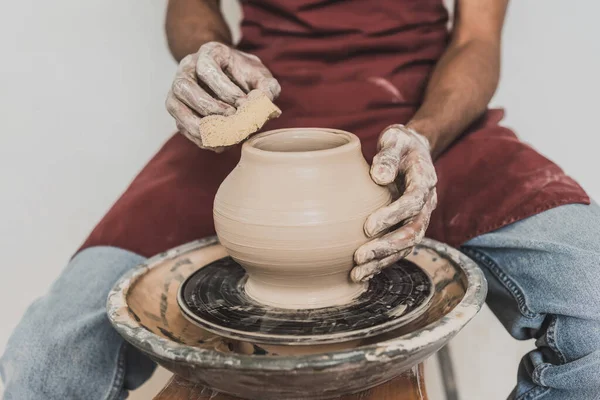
[432, 336]
[249, 147]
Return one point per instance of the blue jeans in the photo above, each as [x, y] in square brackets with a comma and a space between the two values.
[544, 283]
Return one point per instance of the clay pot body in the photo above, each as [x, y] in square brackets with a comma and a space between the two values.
[292, 214]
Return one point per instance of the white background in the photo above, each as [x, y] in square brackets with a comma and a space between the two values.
[82, 87]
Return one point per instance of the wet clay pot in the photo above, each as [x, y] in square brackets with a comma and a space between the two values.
[292, 214]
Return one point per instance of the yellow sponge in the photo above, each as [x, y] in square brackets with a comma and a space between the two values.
[218, 130]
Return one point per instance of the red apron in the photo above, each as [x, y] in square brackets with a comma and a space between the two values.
[358, 66]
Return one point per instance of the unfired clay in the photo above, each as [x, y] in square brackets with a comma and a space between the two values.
[218, 130]
[292, 214]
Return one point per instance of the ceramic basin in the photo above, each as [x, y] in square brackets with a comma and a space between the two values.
[142, 307]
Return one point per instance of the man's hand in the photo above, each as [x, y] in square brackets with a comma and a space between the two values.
[215, 80]
[404, 157]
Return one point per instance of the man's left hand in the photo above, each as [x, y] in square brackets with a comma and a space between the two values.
[403, 158]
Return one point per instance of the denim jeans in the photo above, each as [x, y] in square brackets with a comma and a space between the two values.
[544, 283]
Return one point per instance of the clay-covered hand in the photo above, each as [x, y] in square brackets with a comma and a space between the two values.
[404, 159]
[215, 80]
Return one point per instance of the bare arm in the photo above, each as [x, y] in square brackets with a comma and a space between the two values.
[460, 88]
[192, 23]
[466, 76]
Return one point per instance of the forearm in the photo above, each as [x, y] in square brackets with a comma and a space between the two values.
[191, 23]
[459, 91]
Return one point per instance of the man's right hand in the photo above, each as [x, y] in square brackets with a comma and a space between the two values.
[215, 80]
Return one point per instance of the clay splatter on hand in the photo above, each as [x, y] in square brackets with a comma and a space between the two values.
[404, 155]
[215, 81]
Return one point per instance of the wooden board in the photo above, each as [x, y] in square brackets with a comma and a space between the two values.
[408, 386]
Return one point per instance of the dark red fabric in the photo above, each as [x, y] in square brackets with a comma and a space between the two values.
[490, 179]
[353, 65]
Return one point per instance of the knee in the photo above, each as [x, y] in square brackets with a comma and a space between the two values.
[37, 352]
[574, 287]
[67, 330]
[47, 353]
[544, 277]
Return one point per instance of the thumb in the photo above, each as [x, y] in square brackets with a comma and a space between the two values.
[386, 165]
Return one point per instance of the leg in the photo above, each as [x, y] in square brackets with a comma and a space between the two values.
[65, 347]
[544, 283]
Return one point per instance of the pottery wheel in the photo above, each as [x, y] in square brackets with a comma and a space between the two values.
[214, 298]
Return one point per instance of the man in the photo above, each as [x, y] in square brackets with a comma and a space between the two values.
[361, 66]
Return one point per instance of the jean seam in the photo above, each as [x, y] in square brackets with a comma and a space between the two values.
[531, 394]
[118, 379]
[537, 373]
[551, 340]
[536, 377]
[506, 281]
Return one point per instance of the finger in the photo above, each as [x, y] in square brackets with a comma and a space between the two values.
[419, 179]
[386, 164]
[406, 236]
[212, 76]
[407, 206]
[261, 78]
[269, 86]
[251, 74]
[392, 145]
[209, 70]
[419, 172]
[184, 117]
[187, 67]
[190, 93]
[362, 273]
